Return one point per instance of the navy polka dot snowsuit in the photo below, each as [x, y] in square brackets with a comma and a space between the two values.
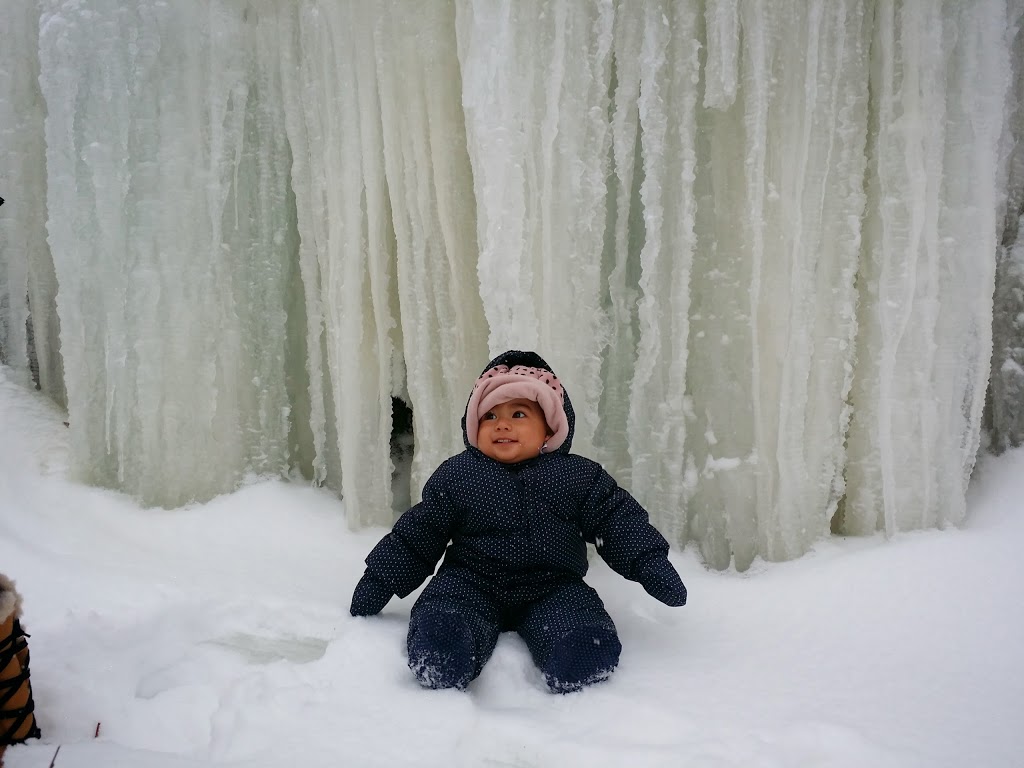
[514, 538]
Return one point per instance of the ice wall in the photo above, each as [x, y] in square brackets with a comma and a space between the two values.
[167, 198]
[758, 241]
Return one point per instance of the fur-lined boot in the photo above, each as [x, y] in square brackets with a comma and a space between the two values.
[17, 721]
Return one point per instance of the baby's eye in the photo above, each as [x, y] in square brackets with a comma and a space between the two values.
[488, 416]
[519, 415]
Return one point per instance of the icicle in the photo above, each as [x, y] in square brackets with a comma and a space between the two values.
[26, 267]
[264, 241]
[773, 295]
[497, 81]
[535, 92]
[76, 237]
[724, 376]
[622, 248]
[358, 327]
[833, 205]
[812, 237]
[979, 68]
[574, 144]
[721, 18]
[667, 103]
[430, 185]
[305, 137]
[923, 361]
[333, 115]
[16, 112]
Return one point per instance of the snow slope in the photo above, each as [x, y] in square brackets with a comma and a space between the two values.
[218, 635]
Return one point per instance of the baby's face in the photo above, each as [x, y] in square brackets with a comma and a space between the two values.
[513, 431]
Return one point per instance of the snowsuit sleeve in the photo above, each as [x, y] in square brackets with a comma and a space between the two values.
[616, 523]
[407, 556]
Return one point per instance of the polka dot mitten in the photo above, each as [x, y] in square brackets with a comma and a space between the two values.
[662, 582]
[370, 596]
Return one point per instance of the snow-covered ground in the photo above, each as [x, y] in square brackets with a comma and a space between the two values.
[219, 635]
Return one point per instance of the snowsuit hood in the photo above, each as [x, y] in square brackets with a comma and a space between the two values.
[512, 358]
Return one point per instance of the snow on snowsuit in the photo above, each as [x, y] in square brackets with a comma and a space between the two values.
[514, 538]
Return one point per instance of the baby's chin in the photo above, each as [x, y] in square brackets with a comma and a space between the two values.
[507, 453]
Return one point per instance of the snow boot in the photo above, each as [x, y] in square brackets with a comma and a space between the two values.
[17, 721]
[441, 651]
[582, 657]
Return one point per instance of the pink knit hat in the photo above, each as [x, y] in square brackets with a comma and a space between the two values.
[501, 384]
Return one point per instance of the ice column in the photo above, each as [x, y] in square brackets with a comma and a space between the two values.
[721, 61]
[26, 267]
[535, 93]
[347, 249]
[772, 320]
[624, 239]
[666, 104]
[434, 214]
[938, 81]
[387, 222]
[169, 174]
[18, 110]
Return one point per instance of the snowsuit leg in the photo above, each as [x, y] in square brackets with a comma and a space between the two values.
[453, 628]
[571, 637]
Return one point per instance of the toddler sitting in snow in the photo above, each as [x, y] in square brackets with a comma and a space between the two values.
[512, 514]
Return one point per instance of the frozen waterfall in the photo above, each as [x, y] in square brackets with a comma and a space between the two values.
[766, 244]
